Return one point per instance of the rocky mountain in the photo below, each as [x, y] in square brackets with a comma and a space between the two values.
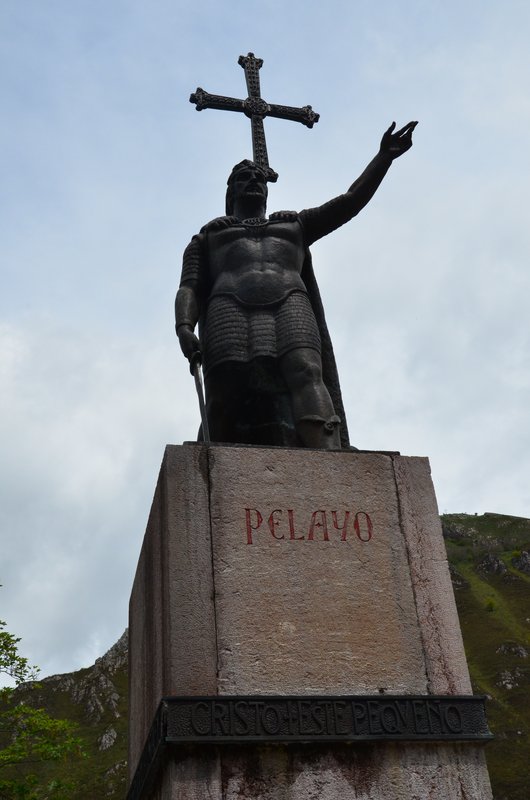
[489, 558]
[95, 700]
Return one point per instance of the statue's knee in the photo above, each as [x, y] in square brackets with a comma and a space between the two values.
[322, 434]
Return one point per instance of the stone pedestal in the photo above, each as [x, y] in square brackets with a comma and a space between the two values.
[299, 573]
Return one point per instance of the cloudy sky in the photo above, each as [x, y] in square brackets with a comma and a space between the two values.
[107, 171]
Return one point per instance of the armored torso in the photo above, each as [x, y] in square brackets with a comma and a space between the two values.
[257, 262]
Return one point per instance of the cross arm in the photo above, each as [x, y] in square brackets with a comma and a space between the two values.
[203, 100]
[253, 106]
[305, 115]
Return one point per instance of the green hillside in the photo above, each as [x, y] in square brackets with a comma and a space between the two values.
[95, 700]
[489, 557]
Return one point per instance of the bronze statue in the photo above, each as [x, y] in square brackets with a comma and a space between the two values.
[269, 370]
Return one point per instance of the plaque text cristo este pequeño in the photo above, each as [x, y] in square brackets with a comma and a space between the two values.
[306, 718]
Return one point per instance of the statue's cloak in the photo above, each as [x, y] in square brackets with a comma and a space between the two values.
[330, 373]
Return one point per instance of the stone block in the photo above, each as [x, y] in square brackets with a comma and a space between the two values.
[277, 571]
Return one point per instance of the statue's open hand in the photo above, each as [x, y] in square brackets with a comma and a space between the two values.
[189, 343]
[395, 144]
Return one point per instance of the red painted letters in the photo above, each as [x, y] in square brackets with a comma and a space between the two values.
[288, 526]
[344, 526]
[290, 514]
[315, 523]
[250, 527]
[273, 523]
[364, 532]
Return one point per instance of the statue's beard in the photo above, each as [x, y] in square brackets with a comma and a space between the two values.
[253, 202]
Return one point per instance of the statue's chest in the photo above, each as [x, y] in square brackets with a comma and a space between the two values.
[251, 243]
[258, 264]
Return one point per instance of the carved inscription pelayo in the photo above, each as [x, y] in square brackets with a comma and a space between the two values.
[319, 525]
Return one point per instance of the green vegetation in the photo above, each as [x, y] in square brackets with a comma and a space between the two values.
[95, 701]
[493, 599]
[30, 739]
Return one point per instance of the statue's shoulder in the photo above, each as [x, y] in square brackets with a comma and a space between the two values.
[218, 224]
[284, 216]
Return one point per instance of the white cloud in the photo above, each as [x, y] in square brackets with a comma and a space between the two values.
[83, 421]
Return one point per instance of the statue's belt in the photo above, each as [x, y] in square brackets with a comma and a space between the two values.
[257, 304]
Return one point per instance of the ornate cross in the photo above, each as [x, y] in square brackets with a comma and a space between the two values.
[256, 109]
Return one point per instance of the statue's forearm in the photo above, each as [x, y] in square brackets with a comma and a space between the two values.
[318, 222]
[363, 189]
[186, 308]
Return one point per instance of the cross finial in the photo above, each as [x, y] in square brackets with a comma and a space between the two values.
[256, 108]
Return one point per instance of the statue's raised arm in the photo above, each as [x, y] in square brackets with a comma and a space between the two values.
[320, 221]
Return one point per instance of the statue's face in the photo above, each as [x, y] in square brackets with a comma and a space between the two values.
[249, 183]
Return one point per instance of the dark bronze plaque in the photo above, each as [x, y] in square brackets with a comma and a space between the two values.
[337, 718]
[303, 719]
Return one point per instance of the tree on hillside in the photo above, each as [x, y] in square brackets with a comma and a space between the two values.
[28, 736]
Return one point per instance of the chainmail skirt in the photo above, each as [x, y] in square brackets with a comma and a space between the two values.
[233, 332]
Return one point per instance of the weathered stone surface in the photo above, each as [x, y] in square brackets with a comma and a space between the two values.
[296, 572]
[445, 660]
[382, 772]
[191, 777]
[302, 615]
[172, 642]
